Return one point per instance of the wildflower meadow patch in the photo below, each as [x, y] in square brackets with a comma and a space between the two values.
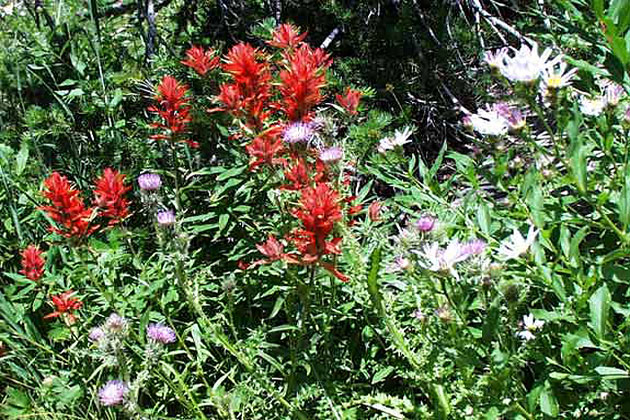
[242, 227]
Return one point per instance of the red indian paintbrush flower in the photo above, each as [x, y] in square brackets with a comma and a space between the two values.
[252, 89]
[350, 101]
[242, 64]
[297, 176]
[67, 209]
[302, 80]
[65, 304]
[32, 263]
[274, 251]
[109, 196]
[230, 96]
[319, 210]
[173, 108]
[201, 61]
[286, 36]
[263, 150]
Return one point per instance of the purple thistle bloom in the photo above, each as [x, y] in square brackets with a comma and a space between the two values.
[161, 333]
[627, 115]
[425, 224]
[96, 334]
[149, 182]
[474, 247]
[330, 155]
[113, 393]
[166, 218]
[115, 323]
[297, 132]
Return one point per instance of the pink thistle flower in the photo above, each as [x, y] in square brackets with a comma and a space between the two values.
[425, 224]
[474, 247]
[330, 155]
[149, 182]
[166, 218]
[115, 323]
[297, 132]
[113, 393]
[160, 333]
[96, 334]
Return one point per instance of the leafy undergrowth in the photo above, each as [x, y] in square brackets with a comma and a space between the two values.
[284, 257]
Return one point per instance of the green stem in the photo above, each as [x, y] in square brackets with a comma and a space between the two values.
[174, 155]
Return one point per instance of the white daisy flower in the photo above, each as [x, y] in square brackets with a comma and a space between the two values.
[515, 245]
[444, 260]
[530, 326]
[489, 122]
[554, 78]
[591, 107]
[526, 65]
[494, 59]
[399, 139]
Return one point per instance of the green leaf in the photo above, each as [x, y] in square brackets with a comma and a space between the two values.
[442, 402]
[223, 220]
[619, 11]
[578, 164]
[612, 373]
[599, 304]
[438, 161]
[548, 402]
[483, 217]
[372, 280]
[232, 172]
[21, 158]
[382, 374]
[624, 201]
[598, 8]
[277, 306]
[491, 321]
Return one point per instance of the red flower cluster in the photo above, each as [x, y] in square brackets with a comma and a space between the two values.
[247, 97]
[65, 304]
[299, 173]
[67, 209]
[172, 106]
[286, 36]
[201, 61]
[32, 263]
[109, 196]
[264, 150]
[302, 80]
[319, 210]
[350, 101]
[263, 102]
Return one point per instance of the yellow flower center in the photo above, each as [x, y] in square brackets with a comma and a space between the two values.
[554, 82]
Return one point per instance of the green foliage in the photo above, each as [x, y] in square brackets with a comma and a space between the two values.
[412, 334]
